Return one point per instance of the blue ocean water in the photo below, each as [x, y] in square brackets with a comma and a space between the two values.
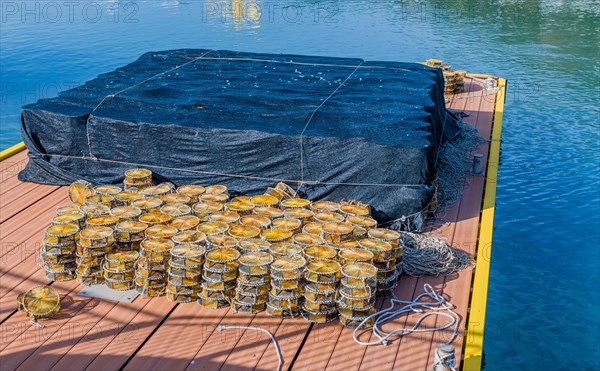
[543, 296]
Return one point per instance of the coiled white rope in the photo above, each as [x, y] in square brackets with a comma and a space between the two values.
[438, 307]
[277, 349]
[427, 255]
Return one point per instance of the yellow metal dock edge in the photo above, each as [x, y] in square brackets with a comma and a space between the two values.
[12, 151]
[473, 352]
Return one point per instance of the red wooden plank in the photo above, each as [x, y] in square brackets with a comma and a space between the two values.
[178, 339]
[105, 332]
[21, 197]
[132, 336]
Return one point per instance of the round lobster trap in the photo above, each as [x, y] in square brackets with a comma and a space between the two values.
[191, 237]
[219, 241]
[187, 255]
[243, 231]
[313, 228]
[138, 176]
[241, 307]
[158, 190]
[239, 207]
[228, 217]
[109, 221]
[253, 280]
[126, 212]
[119, 285]
[96, 278]
[96, 237]
[382, 250]
[150, 291]
[280, 312]
[192, 191]
[328, 217]
[94, 210]
[164, 231]
[222, 259]
[118, 274]
[39, 303]
[318, 306]
[268, 212]
[304, 215]
[324, 206]
[68, 209]
[289, 224]
[154, 218]
[96, 200]
[319, 317]
[59, 275]
[294, 203]
[204, 208]
[221, 198]
[276, 235]
[322, 271]
[67, 247]
[177, 199]
[186, 222]
[216, 189]
[353, 208]
[290, 267]
[130, 231]
[175, 209]
[148, 204]
[126, 198]
[319, 294]
[307, 239]
[122, 260]
[155, 279]
[359, 275]
[319, 252]
[255, 263]
[215, 275]
[251, 289]
[181, 298]
[285, 302]
[184, 277]
[337, 232]
[355, 254]
[213, 228]
[264, 200]
[62, 233]
[354, 322]
[285, 249]
[258, 221]
[365, 222]
[77, 218]
[253, 245]
[212, 303]
[79, 190]
[157, 249]
[107, 190]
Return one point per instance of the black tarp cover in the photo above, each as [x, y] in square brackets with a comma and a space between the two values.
[371, 130]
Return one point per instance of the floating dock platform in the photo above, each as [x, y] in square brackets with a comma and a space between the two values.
[153, 333]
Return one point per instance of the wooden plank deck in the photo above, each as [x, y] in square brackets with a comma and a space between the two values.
[153, 333]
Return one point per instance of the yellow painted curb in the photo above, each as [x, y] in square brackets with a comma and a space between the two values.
[473, 353]
[12, 151]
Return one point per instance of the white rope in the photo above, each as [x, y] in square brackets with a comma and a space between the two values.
[438, 307]
[310, 119]
[277, 349]
[312, 182]
[309, 64]
[426, 255]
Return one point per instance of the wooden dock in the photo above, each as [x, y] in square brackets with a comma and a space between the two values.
[153, 333]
